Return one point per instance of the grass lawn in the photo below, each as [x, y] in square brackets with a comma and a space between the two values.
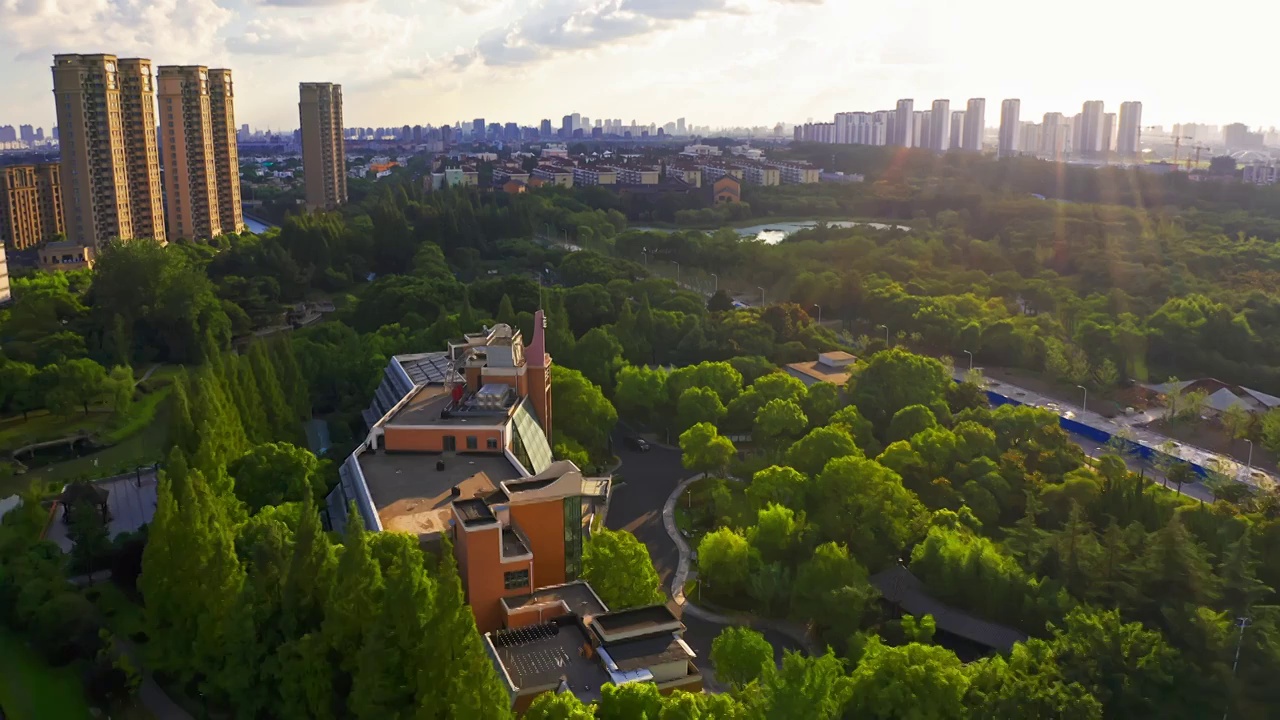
[145, 446]
[43, 425]
[31, 690]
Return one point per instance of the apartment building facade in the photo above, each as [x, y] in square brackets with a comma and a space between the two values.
[594, 175]
[30, 205]
[324, 158]
[186, 126]
[5, 293]
[631, 175]
[110, 166]
[226, 156]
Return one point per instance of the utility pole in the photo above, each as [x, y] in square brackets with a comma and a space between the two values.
[1242, 622]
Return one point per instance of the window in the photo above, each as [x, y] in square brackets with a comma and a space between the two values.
[491, 443]
[472, 443]
[516, 579]
[450, 443]
[572, 538]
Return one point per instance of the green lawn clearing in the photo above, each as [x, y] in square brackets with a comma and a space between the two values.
[31, 690]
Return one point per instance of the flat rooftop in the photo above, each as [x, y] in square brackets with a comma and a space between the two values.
[433, 405]
[637, 620]
[646, 652]
[411, 495]
[577, 596]
[821, 372]
[541, 656]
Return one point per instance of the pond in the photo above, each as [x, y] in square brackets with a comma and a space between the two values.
[775, 232]
[255, 226]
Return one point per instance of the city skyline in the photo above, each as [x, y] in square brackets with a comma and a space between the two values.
[522, 62]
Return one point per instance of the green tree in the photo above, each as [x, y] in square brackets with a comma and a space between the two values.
[558, 706]
[863, 504]
[724, 562]
[779, 422]
[858, 427]
[620, 571]
[811, 453]
[782, 485]
[912, 680]
[19, 387]
[831, 589]
[908, 421]
[75, 382]
[740, 655]
[703, 449]
[1241, 588]
[598, 354]
[120, 385]
[88, 530]
[698, 405]
[640, 392]
[506, 312]
[821, 401]
[896, 379]
[581, 410]
[802, 687]
[775, 533]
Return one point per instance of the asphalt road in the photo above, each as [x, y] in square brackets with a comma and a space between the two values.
[647, 480]
[1196, 491]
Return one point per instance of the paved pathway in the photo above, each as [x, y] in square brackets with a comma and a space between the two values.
[147, 375]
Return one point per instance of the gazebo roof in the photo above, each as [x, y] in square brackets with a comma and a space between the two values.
[83, 492]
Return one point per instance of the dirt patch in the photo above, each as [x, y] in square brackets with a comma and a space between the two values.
[1210, 435]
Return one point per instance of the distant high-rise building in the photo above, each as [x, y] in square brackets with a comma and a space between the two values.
[1029, 138]
[30, 205]
[576, 123]
[566, 126]
[680, 129]
[416, 134]
[39, 134]
[8, 133]
[324, 157]
[477, 128]
[544, 128]
[1091, 129]
[957, 129]
[1129, 134]
[26, 133]
[1108, 132]
[920, 128]
[975, 122]
[226, 156]
[55, 132]
[110, 166]
[940, 126]
[1055, 132]
[904, 123]
[446, 134]
[1009, 126]
[191, 184]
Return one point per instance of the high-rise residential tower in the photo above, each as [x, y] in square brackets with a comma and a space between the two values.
[957, 129]
[1009, 126]
[904, 123]
[226, 156]
[324, 159]
[30, 205]
[1091, 129]
[940, 126]
[190, 176]
[975, 123]
[107, 132]
[1129, 134]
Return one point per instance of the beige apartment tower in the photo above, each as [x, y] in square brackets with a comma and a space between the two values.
[30, 205]
[226, 157]
[107, 135]
[190, 174]
[324, 160]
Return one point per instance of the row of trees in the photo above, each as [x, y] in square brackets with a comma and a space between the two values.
[998, 514]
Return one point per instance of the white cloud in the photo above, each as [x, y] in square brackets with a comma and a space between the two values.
[37, 29]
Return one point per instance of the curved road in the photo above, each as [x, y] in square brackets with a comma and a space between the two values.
[645, 481]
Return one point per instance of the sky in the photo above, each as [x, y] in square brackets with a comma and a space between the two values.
[714, 62]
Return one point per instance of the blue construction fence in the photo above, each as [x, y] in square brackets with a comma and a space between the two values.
[1148, 455]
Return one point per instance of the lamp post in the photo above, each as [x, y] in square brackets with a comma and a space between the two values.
[819, 312]
[717, 279]
[1249, 463]
[645, 253]
[763, 302]
[970, 354]
[1084, 407]
[886, 333]
[1242, 623]
[677, 264]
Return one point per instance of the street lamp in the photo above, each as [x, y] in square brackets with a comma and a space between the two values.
[717, 277]
[677, 264]
[819, 312]
[970, 354]
[1250, 461]
[886, 333]
[645, 253]
[1084, 407]
[763, 302]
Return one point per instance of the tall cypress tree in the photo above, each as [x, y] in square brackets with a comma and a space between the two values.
[291, 380]
[279, 413]
[1241, 588]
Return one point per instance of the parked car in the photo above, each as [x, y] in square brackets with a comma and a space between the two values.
[638, 443]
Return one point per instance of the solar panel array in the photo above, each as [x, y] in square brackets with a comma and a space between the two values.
[515, 637]
[434, 368]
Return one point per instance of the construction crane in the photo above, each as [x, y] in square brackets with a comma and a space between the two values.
[1177, 141]
[1197, 148]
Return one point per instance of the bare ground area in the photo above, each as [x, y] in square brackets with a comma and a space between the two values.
[1209, 435]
